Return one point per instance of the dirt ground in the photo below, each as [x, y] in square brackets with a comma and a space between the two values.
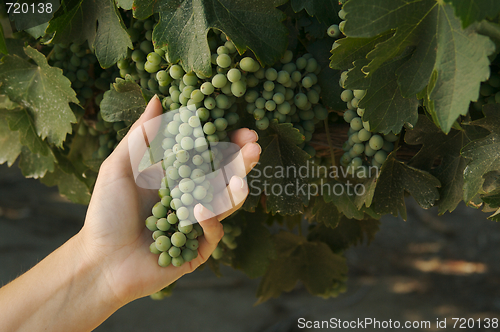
[424, 269]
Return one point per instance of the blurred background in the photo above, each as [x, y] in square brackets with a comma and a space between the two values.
[425, 268]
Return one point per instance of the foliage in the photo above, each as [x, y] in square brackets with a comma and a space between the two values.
[429, 68]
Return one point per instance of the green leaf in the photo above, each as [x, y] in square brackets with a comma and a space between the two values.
[484, 153]
[97, 21]
[325, 213]
[348, 233]
[3, 45]
[324, 10]
[459, 58]
[10, 146]
[43, 90]
[385, 108]
[446, 147]
[492, 199]
[125, 4]
[352, 49]
[70, 186]
[395, 179]
[34, 165]
[342, 195]
[126, 102]
[37, 31]
[471, 11]
[313, 263]
[183, 28]
[285, 193]
[255, 246]
[21, 121]
[32, 13]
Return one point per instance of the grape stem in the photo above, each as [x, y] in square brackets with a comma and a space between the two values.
[330, 144]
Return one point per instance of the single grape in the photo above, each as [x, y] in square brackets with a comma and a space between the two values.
[219, 81]
[207, 88]
[177, 261]
[346, 95]
[263, 123]
[380, 156]
[247, 64]
[376, 142]
[176, 72]
[356, 123]
[217, 253]
[209, 128]
[233, 75]
[159, 211]
[333, 31]
[172, 219]
[152, 248]
[151, 223]
[178, 239]
[192, 244]
[164, 259]
[224, 60]
[188, 254]
[174, 251]
[163, 243]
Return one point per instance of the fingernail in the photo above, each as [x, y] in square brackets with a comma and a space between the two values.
[156, 97]
[242, 182]
[200, 208]
[260, 148]
[256, 135]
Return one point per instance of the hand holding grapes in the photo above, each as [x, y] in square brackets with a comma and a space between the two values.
[108, 263]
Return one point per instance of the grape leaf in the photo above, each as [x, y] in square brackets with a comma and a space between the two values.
[324, 10]
[471, 11]
[298, 259]
[255, 246]
[352, 49]
[349, 232]
[97, 21]
[492, 199]
[31, 13]
[325, 213]
[285, 193]
[342, 195]
[10, 147]
[37, 31]
[3, 45]
[34, 165]
[385, 108]
[183, 27]
[43, 91]
[125, 102]
[484, 153]
[125, 4]
[395, 179]
[458, 58]
[21, 121]
[68, 184]
[447, 147]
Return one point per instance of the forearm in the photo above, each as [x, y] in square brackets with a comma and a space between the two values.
[64, 292]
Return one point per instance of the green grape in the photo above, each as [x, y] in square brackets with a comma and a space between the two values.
[283, 77]
[284, 108]
[233, 75]
[151, 223]
[361, 112]
[267, 94]
[312, 65]
[152, 248]
[238, 88]
[187, 199]
[153, 58]
[165, 201]
[185, 130]
[300, 100]
[359, 93]
[227, 238]
[82, 75]
[176, 193]
[341, 26]
[224, 60]
[219, 81]
[278, 98]
[270, 105]
[188, 254]
[174, 251]
[320, 112]
[213, 139]
[333, 31]
[200, 144]
[380, 156]
[186, 185]
[247, 64]
[220, 124]
[364, 135]
[207, 88]
[307, 82]
[182, 214]
[222, 102]
[346, 95]
[358, 148]
[138, 56]
[217, 253]
[173, 127]
[192, 244]
[177, 261]
[199, 193]
[182, 156]
[376, 142]
[178, 239]
[159, 211]
[391, 137]
[356, 123]
[163, 243]
[262, 124]
[366, 125]
[271, 74]
[176, 72]
[172, 219]
[287, 57]
[209, 128]
[164, 259]
[301, 63]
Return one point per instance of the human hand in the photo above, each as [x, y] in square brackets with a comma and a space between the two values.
[114, 235]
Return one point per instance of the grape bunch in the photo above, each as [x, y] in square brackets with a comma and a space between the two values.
[363, 148]
[190, 161]
[288, 92]
[489, 91]
[228, 242]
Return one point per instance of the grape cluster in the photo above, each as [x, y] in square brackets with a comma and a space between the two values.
[489, 91]
[363, 147]
[190, 161]
[288, 92]
[228, 242]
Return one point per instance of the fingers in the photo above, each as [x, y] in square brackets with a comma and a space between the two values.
[238, 192]
[243, 136]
